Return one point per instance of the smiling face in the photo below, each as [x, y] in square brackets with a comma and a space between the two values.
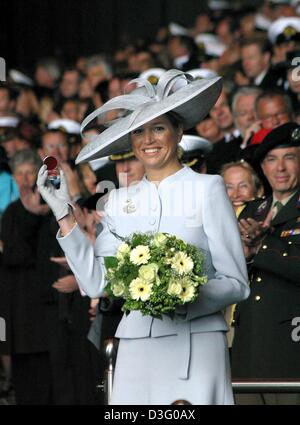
[239, 185]
[155, 145]
[273, 112]
[25, 175]
[281, 167]
[221, 113]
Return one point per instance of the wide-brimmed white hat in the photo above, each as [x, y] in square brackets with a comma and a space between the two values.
[175, 91]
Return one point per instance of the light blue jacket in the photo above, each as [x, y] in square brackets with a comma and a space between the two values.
[196, 208]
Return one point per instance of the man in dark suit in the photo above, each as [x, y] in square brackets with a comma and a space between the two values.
[183, 52]
[265, 346]
[256, 64]
[226, 149]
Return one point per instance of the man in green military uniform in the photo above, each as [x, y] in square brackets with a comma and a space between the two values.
[264, 346]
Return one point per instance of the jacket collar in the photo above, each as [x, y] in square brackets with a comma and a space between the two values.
[289, 211]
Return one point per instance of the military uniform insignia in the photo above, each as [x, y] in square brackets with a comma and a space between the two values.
[260, 210]
[129, 207]
[295, 136]
[291, 232]
[289, 31]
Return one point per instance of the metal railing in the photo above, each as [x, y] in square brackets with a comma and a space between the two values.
[266, 386]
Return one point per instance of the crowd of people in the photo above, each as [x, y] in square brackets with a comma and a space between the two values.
[53, 352]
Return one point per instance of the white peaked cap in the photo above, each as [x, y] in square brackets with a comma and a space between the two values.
[213, 46]
[69, 126]
[190, 143]
[278, 27]
[176, 29]
[19, 78]
[9, 122]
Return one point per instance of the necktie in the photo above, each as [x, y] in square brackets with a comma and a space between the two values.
[277, 207]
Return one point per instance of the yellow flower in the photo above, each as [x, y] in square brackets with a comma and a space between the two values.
[182, 263]
[140, 289]
[140, 255]
[148, 272]
[118, 288]
[188, 290]
[122, 250]
[174, 288]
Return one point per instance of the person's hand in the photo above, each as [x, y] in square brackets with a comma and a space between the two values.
[61, 261]
[254, 128]
[93, 308]
[240, 79]
[66, 285]
[253, 233]
[57, 199]
[251, 230]
[31, 200]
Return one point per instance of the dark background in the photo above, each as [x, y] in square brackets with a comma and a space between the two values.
[31, 29]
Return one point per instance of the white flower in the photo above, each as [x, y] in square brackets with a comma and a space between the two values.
[118, 288]
[182, 263]
[148, 272]
[140, 255]
[140, 289]
[122, 250]
[188, 290]
[159, 239]
[174, 288]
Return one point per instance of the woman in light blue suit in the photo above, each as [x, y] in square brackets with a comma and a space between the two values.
[160, 361]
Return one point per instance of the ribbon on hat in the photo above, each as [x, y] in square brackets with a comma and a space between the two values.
[134, 103]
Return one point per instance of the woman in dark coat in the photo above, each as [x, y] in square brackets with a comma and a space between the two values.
[20, 289]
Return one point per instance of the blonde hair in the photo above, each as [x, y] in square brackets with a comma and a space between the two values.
[245, 166]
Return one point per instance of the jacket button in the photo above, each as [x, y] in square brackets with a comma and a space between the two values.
[258, 279]
[285, 254]
[290, 242]
[264, 247]
[257, 298]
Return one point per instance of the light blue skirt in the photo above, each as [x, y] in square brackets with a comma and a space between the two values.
[147, 371]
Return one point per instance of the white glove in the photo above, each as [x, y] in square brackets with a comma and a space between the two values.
[57, 199]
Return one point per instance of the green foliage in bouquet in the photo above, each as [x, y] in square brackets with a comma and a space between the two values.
[155, 273]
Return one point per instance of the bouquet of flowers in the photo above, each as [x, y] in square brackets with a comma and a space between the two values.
[155, 273]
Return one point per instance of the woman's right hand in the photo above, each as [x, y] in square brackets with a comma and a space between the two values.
[57, 199]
